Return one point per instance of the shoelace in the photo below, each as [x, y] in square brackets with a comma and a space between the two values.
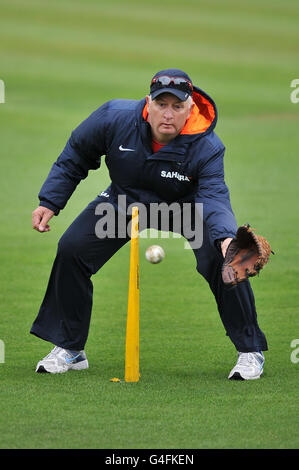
[244, 358]
[53, 353]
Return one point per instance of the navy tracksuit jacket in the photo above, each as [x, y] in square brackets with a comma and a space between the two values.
[188, 169]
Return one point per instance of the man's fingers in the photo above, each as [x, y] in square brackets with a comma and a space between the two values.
[40, 219]
[36, 218]
[43, 226]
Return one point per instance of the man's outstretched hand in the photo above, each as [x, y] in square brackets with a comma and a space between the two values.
[40, 219]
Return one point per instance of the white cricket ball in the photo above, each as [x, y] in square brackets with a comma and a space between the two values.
[154, 254]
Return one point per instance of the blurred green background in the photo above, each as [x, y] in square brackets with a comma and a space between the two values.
[60, 60]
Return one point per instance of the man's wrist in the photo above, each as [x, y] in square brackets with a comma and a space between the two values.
[219, 242]
[50, 206]
[224, 245]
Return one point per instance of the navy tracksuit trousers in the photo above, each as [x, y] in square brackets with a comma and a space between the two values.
[64, 315]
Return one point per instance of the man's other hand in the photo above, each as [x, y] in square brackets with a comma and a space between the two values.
[40, 219]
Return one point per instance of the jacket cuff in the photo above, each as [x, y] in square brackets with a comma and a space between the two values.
[50, 206]
[214, 237]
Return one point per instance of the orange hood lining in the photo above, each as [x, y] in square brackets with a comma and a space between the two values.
[200, 119]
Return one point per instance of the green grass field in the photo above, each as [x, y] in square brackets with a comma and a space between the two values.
[60, 60]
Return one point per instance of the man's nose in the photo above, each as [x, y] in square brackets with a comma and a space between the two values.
[168, 114]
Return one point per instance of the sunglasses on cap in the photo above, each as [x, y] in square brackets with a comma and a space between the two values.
[180, 83]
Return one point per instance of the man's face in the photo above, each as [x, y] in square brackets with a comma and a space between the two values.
[167, 116]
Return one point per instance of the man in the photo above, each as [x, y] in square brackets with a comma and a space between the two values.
[162, 149]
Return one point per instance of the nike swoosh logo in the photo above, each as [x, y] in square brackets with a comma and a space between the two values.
[71, 359]
[122, 149]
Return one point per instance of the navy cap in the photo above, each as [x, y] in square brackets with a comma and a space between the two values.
[172, 81]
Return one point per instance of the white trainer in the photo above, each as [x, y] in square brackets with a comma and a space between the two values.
[249, 366]
[61, 360]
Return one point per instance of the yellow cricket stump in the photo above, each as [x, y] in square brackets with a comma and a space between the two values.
[132, 334]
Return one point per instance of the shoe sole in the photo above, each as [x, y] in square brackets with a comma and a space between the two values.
[238, 376]
[41, 369]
